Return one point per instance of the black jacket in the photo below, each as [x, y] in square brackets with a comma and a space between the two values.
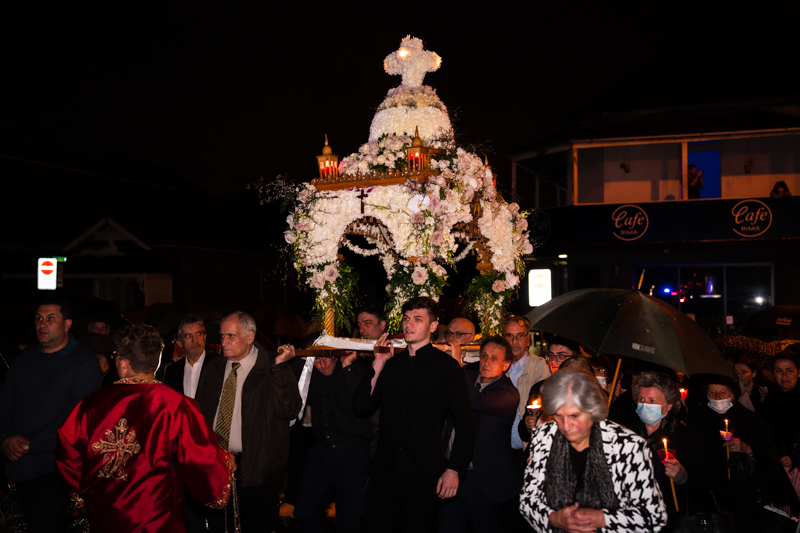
[494, 409]
[270, 400]
[173, 373]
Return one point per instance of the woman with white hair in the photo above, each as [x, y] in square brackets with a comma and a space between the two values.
[586, 472]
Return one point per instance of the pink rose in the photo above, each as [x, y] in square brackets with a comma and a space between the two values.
[330, 273]
[317, 281]
[419, 276]
[498, 286]
[437, 238]
[438, 269]
[417, 218]
[522, 224]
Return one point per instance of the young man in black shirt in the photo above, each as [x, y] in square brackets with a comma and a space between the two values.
[415, 391]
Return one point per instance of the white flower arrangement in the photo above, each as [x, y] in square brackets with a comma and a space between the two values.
[432, 123]
[420, 220]
[411, 226]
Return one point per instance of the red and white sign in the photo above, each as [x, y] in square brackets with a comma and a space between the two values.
[47, 273]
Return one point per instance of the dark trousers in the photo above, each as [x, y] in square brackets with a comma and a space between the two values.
[195, 514]
[300, 441]
[44, 503]
[470, 505]
[258, 505]
[339, 469]
[390, 494]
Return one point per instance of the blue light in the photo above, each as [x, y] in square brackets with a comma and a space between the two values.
[667, 290]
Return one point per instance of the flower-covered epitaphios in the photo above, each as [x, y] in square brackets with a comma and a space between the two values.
[443, 207]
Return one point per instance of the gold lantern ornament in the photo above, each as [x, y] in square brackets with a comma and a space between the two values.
[328, 162]
[417, 154]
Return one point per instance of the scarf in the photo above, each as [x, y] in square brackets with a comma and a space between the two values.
[560, 480]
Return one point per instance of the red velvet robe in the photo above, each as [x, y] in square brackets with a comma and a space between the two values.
[128, 449]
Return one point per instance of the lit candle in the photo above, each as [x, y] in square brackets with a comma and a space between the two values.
[726, 426]
[666, 450]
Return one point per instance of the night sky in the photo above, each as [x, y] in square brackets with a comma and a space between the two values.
[222, 94]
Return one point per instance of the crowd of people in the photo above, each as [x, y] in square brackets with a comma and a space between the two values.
[413, 438]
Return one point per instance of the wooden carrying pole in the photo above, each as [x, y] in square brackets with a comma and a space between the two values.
[614, 383]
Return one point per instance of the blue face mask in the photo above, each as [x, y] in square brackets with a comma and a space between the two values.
[650, 413]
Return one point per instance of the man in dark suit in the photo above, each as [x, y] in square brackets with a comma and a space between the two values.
[492, 477]
[249, 396]
[184, 375]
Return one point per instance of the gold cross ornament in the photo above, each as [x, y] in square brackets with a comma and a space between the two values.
[116, 449]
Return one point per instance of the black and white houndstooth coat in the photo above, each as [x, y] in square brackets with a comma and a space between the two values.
[641, 507]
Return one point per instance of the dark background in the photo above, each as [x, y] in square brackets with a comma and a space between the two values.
[159, 115]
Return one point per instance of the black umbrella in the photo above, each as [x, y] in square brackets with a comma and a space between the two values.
[631, 324]
[784, 319]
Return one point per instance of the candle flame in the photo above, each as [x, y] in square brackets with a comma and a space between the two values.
[403, 52]
[535, 404]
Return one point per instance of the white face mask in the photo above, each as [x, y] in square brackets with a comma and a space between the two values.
[602, 381]
[720, 406]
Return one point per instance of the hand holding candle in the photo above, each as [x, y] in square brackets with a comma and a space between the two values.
[667, 457]
[534, 410]
[726, 436]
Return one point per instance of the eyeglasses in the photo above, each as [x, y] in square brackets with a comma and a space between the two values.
[510, 337]
[454, 334]
[558, 356]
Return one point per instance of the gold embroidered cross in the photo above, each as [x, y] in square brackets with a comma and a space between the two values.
[116, 449]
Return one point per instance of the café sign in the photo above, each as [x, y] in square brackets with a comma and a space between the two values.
[630, 222]
[751, 218]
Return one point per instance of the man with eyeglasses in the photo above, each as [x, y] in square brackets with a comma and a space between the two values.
[527, 369]
[184, 375]
[249, 396]
[459, 331]
[559, 350]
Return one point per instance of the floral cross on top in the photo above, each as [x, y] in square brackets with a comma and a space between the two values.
[412, 62]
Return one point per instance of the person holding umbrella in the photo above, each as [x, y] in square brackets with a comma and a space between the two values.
[570, 483]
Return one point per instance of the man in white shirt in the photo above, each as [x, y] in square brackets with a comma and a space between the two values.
[527, 369]
[249, 396]
[184, 374]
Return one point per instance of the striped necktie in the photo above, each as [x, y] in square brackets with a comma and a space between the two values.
[226, 403]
